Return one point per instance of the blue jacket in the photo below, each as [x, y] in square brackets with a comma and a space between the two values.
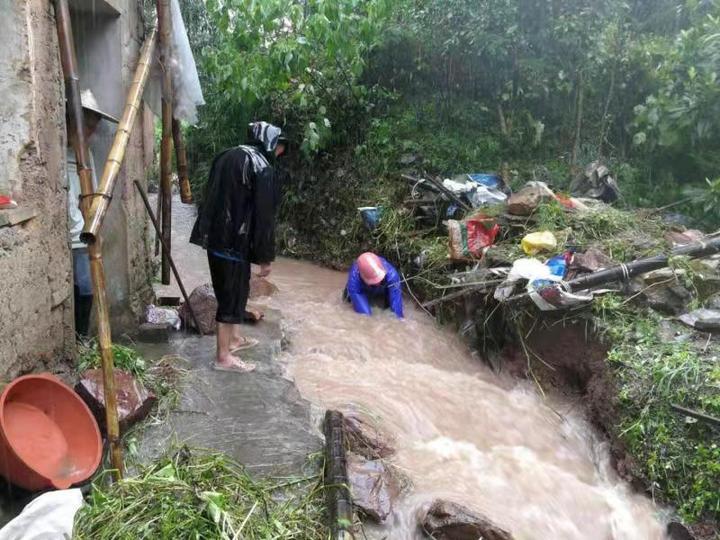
[359, 292]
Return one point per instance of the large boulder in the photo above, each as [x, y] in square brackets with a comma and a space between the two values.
[134, 401]
[372, 485]
[449, 521]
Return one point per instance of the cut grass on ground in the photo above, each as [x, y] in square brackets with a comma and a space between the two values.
[200, 495]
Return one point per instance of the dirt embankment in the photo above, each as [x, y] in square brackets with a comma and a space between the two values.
[568, 357]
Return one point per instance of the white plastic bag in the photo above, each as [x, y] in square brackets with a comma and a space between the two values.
[48, 517]
[186, 83]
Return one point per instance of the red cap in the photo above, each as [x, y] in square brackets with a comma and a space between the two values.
[371, 267]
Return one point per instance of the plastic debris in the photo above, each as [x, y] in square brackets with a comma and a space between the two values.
[538, 242]
[595, 183]
[469, 238]
[7, 203]
[531, 270]
[158, 315]
[51, 515]
[370, 216]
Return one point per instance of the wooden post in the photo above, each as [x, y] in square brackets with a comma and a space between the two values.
[182, 165]
[163, 10]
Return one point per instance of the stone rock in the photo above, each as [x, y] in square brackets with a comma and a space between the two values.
[134, 401]
[260, 287]
[154, 333]
[713, 302]
[668, 298]
[372, 485]
[705, 320]
[366, 440]
[678, 531]
[449, 521]
[677, 238]
[591, 261]
[525, 201]
[204, 304]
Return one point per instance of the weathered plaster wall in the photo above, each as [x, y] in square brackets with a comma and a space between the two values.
[36, 321]
[35, 270]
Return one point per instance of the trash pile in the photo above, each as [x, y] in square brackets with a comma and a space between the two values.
[556, 250]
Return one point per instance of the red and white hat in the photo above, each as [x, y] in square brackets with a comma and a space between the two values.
[371, 268]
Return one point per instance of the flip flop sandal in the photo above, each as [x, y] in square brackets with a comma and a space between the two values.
[240, 367]
[249, 343]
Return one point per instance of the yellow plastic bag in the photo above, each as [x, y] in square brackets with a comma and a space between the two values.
[536, 242]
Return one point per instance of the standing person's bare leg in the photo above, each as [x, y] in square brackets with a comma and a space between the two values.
[240, 342]
[225, 360]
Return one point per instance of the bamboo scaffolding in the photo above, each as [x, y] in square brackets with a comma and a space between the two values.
[97, 271]
[164, 28]
[103, 196]
[182, 165]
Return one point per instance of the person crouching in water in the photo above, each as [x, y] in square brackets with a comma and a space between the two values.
[372, 278]
[236, 225]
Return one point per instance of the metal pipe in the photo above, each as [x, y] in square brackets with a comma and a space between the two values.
[143, 196]
[182, 164]
[103, 196]
[164, 28]
[77, 129]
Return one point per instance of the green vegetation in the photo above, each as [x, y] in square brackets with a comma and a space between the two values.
[162, 378]
[370, 90]
[653, 368]
[195, 495]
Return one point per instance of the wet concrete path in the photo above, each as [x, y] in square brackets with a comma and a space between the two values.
[257, 418]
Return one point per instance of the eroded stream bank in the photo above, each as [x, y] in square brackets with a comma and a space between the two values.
[461, 432]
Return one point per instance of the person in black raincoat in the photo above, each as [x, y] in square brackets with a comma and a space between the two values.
[236, 225]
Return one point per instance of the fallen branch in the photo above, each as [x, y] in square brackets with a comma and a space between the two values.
[711, 420]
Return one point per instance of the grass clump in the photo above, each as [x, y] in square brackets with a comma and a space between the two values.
[194, 495]
[654, 368]
[125, 358]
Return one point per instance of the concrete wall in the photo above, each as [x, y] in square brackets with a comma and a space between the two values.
[35, 270]
[108, 37]
[36, 321]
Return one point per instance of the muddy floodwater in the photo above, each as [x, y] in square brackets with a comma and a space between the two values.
[461, 432]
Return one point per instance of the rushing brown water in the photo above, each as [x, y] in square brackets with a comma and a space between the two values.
[461, 432]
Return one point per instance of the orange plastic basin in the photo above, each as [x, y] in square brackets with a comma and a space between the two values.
[48, 436]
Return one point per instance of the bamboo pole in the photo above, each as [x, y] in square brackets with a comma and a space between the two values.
[339, 500]
[182, 165]
[101, 199]
[76, 125]
[143, 195]
[77, 128]
[164, 28]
